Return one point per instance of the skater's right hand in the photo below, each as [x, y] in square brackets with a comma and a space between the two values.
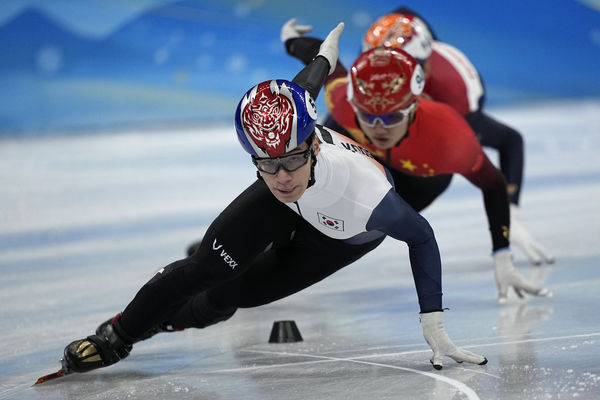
[290, 30]
[507, 276]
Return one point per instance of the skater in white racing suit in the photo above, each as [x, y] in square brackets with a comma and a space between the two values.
[321, 203]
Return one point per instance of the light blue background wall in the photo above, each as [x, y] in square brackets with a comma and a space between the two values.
[72, 66]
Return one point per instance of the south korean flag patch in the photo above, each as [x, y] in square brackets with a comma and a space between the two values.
[331, 223]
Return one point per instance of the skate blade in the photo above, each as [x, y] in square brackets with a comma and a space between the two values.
[57, 374]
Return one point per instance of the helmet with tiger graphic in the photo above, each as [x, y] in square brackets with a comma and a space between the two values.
[274, 117]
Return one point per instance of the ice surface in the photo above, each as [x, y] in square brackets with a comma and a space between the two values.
[85, 221]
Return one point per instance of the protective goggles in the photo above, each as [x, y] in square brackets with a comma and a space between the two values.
[289, 162]
[388, 120]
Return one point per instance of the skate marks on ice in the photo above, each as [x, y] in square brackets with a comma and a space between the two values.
[541, 348]
[75, 218]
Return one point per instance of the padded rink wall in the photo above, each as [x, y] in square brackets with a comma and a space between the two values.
[100, 65]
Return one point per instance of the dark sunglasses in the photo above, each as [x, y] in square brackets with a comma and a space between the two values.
[289, 162]
[388, 120]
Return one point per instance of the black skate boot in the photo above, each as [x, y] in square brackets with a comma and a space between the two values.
[164, 327]
[104, 348]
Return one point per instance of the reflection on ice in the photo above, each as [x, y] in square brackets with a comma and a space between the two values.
[83, 226]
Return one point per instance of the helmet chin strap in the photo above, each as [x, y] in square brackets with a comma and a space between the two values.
[312, 181]
[412, 118]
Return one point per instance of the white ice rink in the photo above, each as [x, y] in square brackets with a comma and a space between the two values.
[86, 220]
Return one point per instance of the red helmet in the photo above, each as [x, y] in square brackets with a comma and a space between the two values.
[384, 80]
[400, 31]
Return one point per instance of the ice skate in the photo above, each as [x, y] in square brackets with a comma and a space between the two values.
[104, 348]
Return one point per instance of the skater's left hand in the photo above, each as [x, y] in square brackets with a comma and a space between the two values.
[440, 343]
[507, 276]
[536, 253]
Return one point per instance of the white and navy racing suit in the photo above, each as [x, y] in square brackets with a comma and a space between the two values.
[259, 250]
